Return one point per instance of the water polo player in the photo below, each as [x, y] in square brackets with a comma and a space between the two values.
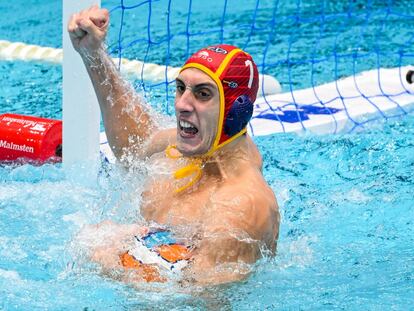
[214, 214]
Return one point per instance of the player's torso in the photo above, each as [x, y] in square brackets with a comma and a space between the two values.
[162, 204]
[191, 207]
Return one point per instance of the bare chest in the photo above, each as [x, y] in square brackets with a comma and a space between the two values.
[163, 205]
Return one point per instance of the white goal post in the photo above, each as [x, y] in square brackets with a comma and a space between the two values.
[81, 116]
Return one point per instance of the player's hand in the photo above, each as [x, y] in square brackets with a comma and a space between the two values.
[87, 29]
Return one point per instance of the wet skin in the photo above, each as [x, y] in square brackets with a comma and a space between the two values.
[230, 215]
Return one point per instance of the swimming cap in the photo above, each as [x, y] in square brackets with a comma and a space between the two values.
[236, 76]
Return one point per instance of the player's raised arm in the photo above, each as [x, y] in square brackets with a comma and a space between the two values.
[127, 121]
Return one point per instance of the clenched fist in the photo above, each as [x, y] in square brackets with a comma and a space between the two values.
[87, 29]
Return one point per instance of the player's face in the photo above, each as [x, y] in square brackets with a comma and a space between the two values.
[197, 108]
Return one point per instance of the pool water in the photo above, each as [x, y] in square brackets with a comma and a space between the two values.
[346, 236]
[33, 88]
[346, 239]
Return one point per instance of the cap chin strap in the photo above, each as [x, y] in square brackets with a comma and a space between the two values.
[195, 169]
[196, 165]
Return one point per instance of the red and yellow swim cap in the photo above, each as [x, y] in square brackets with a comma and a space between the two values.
[237, 79]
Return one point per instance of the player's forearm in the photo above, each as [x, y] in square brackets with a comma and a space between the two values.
[126, 118]
[222, 259]
[223, 273]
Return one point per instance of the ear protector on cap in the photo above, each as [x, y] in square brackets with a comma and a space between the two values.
[238, 116]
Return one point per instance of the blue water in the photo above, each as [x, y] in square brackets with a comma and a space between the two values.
[346, 239]
[33, 88]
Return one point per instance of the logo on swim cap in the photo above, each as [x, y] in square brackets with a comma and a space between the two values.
[203, 53]
[236, 76]
[217, 49]
[231, 84]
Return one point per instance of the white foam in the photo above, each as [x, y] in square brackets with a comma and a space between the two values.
[10, 275]
[8, 192]
[78, 218]
[11, 249]
[298, 252]
[356, 196]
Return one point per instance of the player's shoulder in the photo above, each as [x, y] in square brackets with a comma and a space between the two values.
[160, 140]
[252, 202]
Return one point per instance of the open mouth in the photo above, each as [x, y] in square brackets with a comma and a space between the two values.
[188, 128]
